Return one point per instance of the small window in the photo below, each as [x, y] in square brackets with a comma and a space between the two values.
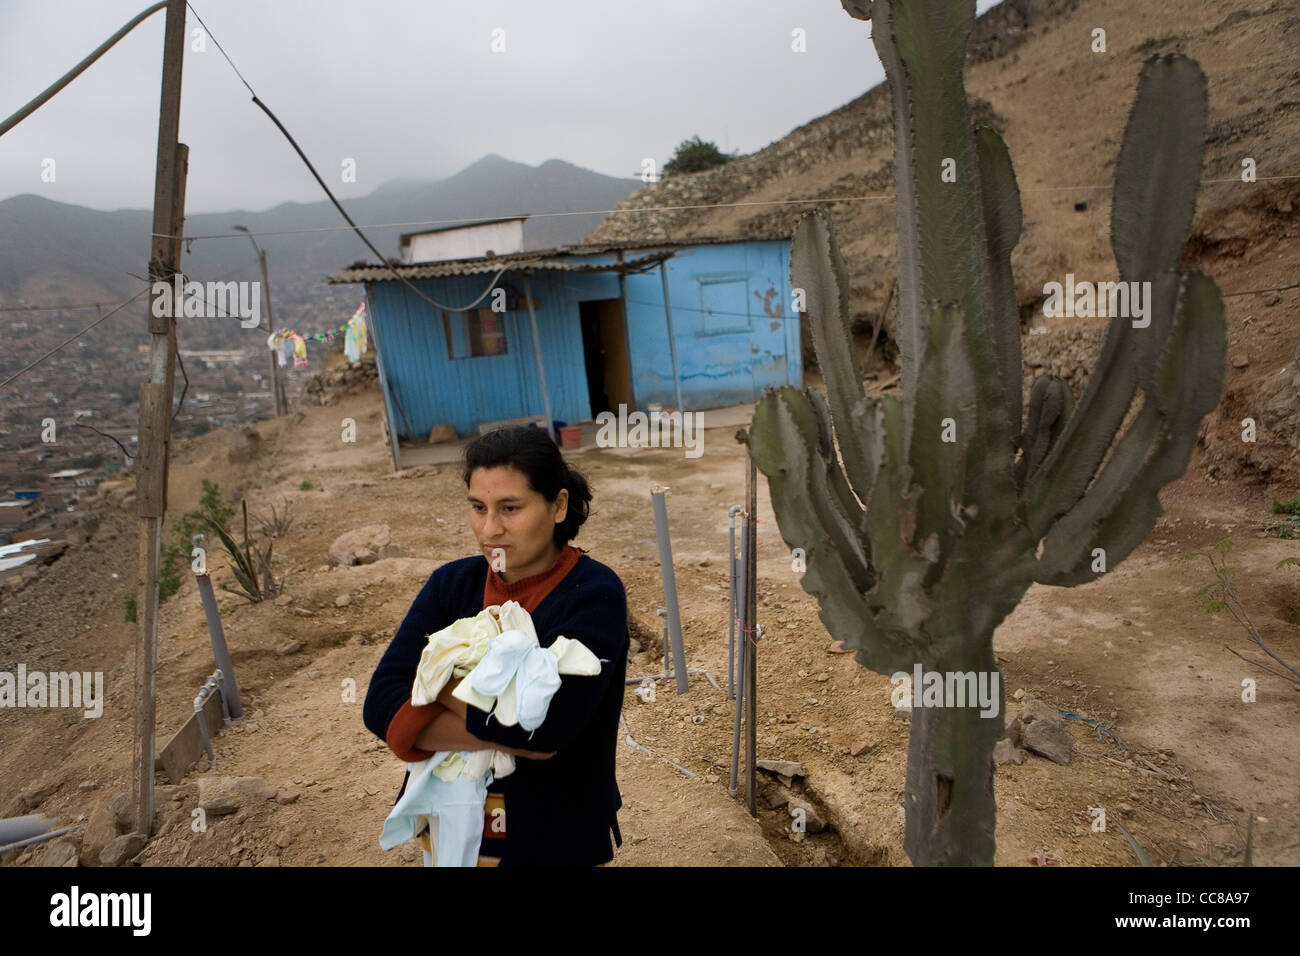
[474, 334]
[724, 304]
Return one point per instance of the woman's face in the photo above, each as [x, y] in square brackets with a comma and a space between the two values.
[505, 512]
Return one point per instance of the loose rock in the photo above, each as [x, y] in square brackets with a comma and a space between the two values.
[122, 849]
[1005, 752]
[59, 853]
[219, 796]
[363, 545]
[775, 796]
[1033, 710]
[812, 820]
[35, 795]
[1013, 730]
[100, 831]
[123, 810]
[785, 768]
[1050, 741]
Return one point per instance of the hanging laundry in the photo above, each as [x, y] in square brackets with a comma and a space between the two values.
[509, 675]
[273, 343]
[299, 352]
[354, 344]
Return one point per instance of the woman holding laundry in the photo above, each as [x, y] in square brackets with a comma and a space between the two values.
[560, 804]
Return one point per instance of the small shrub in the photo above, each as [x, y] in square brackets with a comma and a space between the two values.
[251, 567]
[278, 524]
[695, 155]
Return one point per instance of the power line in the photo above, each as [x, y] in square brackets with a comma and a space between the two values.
[77, 70]
[337, 205]
[54, 308]
[220, 47]
[147, 288]
[74, 338]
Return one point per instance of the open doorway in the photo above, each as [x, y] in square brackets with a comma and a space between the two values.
[604, 345]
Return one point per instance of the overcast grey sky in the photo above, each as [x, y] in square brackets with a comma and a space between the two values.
[411, 88]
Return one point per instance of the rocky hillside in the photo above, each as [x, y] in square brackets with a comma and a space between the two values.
[1032, 74]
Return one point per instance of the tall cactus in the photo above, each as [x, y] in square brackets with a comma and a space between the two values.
[917, 546]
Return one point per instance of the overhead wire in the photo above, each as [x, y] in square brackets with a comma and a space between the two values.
[337, 205]
[68, 341]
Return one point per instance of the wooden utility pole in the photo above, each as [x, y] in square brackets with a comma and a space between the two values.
[277, 390]
[156, 402]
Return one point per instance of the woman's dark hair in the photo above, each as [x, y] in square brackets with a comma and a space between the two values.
[533, 452]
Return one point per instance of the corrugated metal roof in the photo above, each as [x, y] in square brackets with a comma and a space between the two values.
[551, 260]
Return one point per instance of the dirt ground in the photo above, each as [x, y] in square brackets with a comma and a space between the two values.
[1135, 651]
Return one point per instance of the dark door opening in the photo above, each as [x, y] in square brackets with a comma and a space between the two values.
[604, 346]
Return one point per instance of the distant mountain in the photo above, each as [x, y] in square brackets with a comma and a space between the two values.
[52, 252]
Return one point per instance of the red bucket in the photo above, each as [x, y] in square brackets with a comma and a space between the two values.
[571, 436]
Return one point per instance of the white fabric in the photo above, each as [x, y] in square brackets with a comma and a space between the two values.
[452, 810]
[510, 676]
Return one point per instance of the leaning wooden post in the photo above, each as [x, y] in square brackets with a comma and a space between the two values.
[156, 402]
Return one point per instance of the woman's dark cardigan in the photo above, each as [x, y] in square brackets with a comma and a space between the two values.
[558, 811]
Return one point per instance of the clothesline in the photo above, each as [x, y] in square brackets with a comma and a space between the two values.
[287, 343]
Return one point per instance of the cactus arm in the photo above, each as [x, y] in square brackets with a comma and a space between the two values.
[1050, 402]
[817, 267]
[785, 440]
[782, 440]
[1000, 198]
[1159, 167]
[1122, 506]
[1154, 151]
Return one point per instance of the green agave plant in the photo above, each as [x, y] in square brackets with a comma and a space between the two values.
[925, 518]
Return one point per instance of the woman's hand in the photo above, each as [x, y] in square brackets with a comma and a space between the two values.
[453, 704]
[529, 754]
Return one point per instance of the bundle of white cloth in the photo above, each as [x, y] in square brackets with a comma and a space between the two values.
[511, 677]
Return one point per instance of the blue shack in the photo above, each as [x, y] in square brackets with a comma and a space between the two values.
[565, 334]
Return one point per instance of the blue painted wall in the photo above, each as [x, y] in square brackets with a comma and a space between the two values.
[733, 327]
